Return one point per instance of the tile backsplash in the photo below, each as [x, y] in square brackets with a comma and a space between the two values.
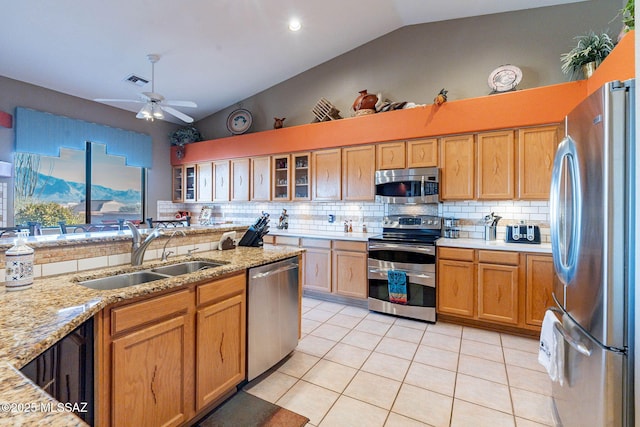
[314, 215]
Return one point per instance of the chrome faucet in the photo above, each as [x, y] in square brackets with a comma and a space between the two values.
[165, 253]
[138, 247]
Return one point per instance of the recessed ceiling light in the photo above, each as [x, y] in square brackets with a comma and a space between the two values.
[294, 24]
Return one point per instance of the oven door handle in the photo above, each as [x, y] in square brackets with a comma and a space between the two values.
[381, 274]
[429, 250]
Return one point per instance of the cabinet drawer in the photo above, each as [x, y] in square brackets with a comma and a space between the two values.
[136, 314]
[499, 257]
[220, 289]
[455, 253]
[287, 241]
[347, 245]
[270, 240]
[315, 243]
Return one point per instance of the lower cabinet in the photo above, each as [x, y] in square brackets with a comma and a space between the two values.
[494, 287]
[165, 359]
[331, 266]
[350, 269]
[220, 338]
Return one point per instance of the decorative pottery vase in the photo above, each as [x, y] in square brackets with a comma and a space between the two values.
[365, 101]
[19, 265]
[588, 69]
[278, 123]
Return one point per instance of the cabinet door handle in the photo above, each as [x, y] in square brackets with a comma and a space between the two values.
[392, 155]
[457, 168]
[547, 161]
[350, 273]
[240, 179]
[261, 179]
[359, 172]
[421, 154]
[153, 381]
[220, 349]
[327, 174]
[495, 165]
[317, 270]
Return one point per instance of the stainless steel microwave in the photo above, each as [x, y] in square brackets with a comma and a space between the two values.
[418, 185]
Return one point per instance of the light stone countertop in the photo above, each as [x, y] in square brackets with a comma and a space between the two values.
[332, 235]
[495, 245]
[33, 320]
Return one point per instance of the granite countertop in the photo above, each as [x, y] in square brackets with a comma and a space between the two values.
[34, 319]
[495, 245]
[332, 235]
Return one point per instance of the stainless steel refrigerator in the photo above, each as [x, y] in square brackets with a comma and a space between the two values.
[592, 227]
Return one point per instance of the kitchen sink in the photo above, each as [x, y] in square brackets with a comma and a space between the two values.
[122, 280]
[185, 267]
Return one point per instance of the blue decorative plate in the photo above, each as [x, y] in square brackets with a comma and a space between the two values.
[239, 121]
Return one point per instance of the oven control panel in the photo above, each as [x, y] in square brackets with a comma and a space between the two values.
[412, 222]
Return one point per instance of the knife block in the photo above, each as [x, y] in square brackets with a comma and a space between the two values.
[252, 238]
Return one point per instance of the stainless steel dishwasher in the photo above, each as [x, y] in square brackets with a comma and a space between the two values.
[273, 307]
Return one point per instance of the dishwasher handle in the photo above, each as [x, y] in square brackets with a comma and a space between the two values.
[276, 271]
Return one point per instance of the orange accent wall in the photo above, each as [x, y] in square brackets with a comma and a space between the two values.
[529, 107]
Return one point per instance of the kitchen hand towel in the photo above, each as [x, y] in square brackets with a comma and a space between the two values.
[397, 281]
[549, 354]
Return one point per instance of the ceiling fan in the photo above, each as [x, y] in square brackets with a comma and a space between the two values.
[154, 103]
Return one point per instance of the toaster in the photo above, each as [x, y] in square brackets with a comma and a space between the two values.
[523, 233]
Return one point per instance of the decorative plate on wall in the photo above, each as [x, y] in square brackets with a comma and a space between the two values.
[239, 121]
[505, 78]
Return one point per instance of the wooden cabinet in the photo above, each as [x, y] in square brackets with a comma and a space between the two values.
[316, 270]
[498, 286]
[358, 173]
[165, 359]
[204, 177]
[151, 362]
[190, 183]
[494, 288]
[220, 338]
[301, 179]
[495, 165]
[177, 184]
[221, 189]
[326, 175]
[281, 179]
[539, 287]
[536, 150]
[457, 160]
[239, 180]
[422, 153]
[349, 265]
[456, 282]
[261, 179]
[390, 155]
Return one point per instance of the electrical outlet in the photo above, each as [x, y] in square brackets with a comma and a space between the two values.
[332, 218]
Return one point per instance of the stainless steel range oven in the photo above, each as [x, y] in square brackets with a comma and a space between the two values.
[407, 245]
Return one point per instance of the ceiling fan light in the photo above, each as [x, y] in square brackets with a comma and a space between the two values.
[157, 112]
[146, 112]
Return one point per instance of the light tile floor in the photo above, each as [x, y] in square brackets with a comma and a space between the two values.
[358, 368]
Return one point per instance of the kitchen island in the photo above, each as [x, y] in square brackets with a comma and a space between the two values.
[33, 320]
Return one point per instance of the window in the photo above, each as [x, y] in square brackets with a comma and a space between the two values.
[77, 187]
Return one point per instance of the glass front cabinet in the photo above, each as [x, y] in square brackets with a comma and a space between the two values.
[281, 177]
[184, 184]
[301, 176]
[177, 184]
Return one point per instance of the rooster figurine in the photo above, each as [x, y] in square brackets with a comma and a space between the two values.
[441, 97]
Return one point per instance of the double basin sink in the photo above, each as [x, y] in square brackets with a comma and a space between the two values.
[145, 276]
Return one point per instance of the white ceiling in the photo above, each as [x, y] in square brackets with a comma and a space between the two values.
[213, 52]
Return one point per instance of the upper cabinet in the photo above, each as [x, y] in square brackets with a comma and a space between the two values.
[390, 155]
[240, 180]
[177, 184]
[358, 173]
[495, 165]
[536, 150]
[190, 183]
[301, 179]
[457, 160]
[326, 173]
[281, 180]
[261, 178]
[221, 189]
[205, 182]
[422, 153]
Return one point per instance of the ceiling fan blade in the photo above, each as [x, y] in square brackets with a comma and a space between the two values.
[137, 101]
[189, 104]
[177, 113]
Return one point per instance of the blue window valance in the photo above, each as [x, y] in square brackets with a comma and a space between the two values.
[44, 133]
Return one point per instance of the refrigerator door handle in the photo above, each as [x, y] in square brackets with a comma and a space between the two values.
[579, 346]
[565, 242]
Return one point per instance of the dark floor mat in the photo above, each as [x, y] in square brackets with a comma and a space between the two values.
[247, 410]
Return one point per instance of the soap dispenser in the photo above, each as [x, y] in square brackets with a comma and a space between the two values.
[19, 264]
